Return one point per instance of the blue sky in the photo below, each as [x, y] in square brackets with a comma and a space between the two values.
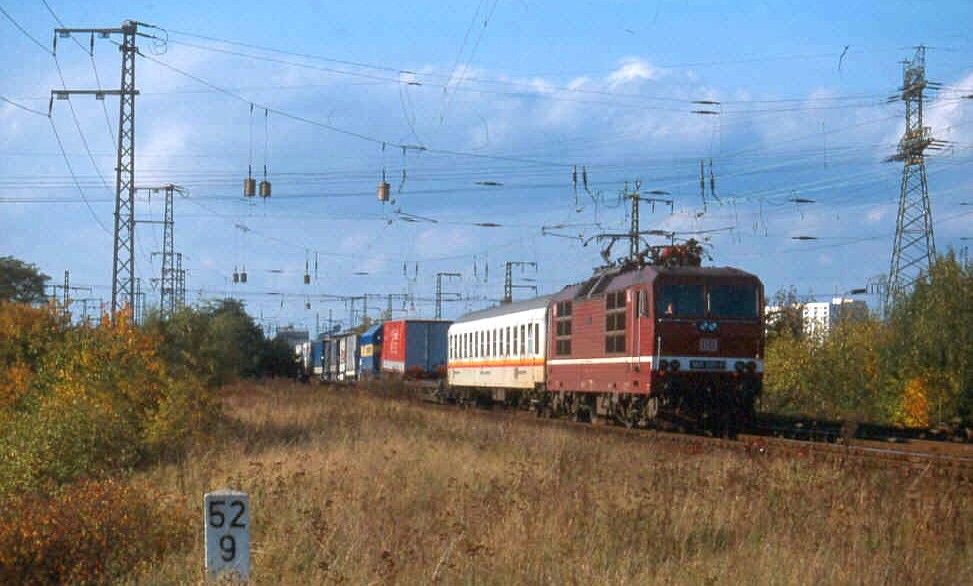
[506, 98]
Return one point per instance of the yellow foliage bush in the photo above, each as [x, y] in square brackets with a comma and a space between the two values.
[88, 533]
[913, 408]
[82, 401]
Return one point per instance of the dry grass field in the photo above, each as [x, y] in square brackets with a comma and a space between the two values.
[350, 488]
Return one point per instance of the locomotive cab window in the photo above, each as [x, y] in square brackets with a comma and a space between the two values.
[680, 300]
[733, 301]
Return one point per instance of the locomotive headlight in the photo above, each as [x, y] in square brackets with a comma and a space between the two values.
[751, 366]
[674, 365]
[739, 366]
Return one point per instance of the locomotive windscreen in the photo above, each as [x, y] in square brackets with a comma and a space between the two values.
[733, 301]
[685, 300]
[695, 300]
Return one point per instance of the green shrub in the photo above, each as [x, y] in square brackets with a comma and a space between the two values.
[98, 401]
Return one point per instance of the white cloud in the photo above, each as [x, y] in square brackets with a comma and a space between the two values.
[949, 114]
[632, 69]
[578, 83]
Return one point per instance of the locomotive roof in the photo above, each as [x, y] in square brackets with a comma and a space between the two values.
[615, 278]
[504, 309]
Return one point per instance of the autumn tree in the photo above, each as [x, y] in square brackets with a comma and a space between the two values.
[785, 316]
[932, 348]
[21, 282]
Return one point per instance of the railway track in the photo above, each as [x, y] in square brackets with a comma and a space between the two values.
[906, 456]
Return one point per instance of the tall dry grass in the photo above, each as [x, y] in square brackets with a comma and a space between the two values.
[348, 488]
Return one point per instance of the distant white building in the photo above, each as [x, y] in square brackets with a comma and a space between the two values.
[293, 336]
[819, 317]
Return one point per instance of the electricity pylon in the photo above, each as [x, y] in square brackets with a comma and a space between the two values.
[169, 300]
[123, 255]
[440, 294]
[508, 281]
[914, 249]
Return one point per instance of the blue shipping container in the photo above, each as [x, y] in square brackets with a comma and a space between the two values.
[416, 348]
[317, 358]
[370, 351]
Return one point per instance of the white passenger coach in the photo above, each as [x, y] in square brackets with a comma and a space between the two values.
[499, 349]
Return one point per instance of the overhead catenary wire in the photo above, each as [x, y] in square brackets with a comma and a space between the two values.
[352, 133]
[456, 65]
[448, 76]
[84, 198]
[752, 163]
[24, 31]
[22, 107]
[91, 54]
[551, 91]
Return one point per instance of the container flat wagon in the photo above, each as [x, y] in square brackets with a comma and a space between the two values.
[415, 348]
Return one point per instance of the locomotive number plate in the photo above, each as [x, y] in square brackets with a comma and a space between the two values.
[707, 364]
[708, 345]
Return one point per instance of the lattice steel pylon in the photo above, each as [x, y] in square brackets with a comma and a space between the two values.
[167, 300]
[914, 249]
[440, 294]
[169, 282]
[123, 254]
[508, 281]
[180, 294]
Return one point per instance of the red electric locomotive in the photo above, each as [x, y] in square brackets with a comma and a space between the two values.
[663, 340]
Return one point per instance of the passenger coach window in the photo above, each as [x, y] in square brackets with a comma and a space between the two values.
[733, 301]
[680, 300]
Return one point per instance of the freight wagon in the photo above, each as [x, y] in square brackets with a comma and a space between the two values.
[414, 348]
[347, 357]
[331, 363]
[370, 352]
